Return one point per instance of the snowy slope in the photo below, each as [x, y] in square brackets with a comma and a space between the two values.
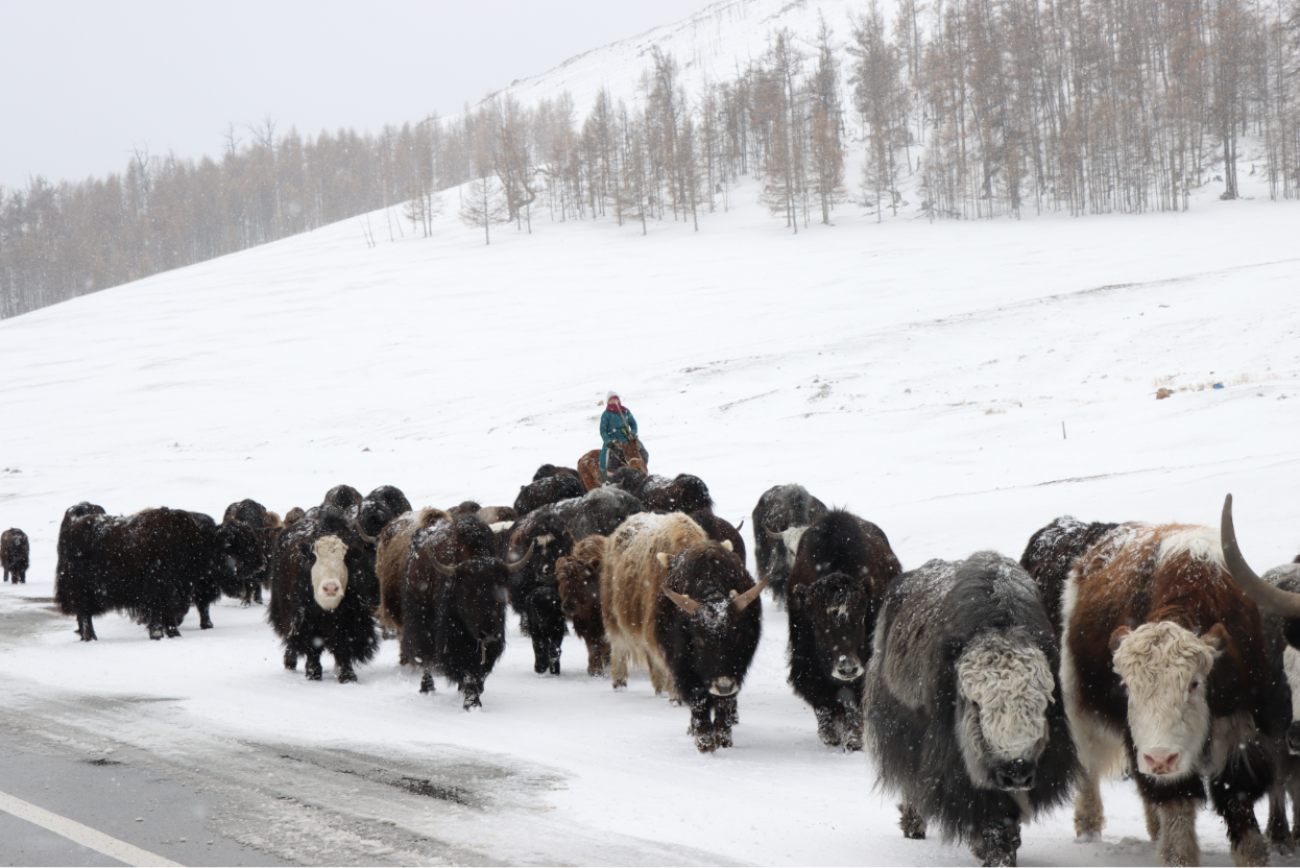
[712, 45]
[918, 374]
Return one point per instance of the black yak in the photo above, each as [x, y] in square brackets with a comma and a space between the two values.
[963, 704]
[15, 554]
[683, 493]
[548, 489]
[843, 569]
[780, 517]
[707, 625]
[454, 605]
[534, 588]
[1050, 554]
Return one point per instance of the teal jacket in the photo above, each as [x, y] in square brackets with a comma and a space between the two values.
[611, 426]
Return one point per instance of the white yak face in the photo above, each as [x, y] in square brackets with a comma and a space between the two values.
[329, 575]
[791, 536]
[1006, 683]
[1164, 668]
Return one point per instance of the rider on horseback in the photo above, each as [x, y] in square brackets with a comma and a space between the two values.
[615, 424]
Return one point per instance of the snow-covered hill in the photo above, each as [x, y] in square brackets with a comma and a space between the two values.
[960, 384]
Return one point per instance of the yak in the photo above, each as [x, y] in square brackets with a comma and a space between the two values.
[548, 489]
[15, 552]
[721, 530]
[682, 493]
[323, 594]
[453, 605]
[598, 511]
[153, 565]
[631, 574]
[266, 525]
[1051, 553]
[843, 569]
[1164, 670]
[963, 705]
[579, 578]
[707, 625]
[780, 517]
[379, 507]
[390, 563]
[534, 588]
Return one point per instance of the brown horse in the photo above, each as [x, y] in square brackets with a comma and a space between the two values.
[629, 454]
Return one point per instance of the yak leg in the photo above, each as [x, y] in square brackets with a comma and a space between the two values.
[312, 668]
[1293, 790]
[1233, 795]
[702, 726]
[426, 681]
[911, 822]
[1278, 828]
[618, 666]
[1178, 845]
[86, 628]
[343, 665]
[723, 711]
[828, 727]
[205, 619]
[730, 708]
[852, 724]
[290, 658]
[1089, 815]
[1153, 820]
[997, 843]
[155, 630]
[555, 655]
[472, 691]
[597, 657]
[541, 653]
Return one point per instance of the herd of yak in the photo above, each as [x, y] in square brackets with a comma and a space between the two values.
[987, 690]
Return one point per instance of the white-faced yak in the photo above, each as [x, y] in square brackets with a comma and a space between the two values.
[843, 569]
[1165, 672]
[324, 593]
[963, 705]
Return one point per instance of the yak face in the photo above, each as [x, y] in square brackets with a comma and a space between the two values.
[329, 573]
[479, 597]
[1291, 666]
[579, 586]
[838, 609]
[1004, 686]
[1164, 668]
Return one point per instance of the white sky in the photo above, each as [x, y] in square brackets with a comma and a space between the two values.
[84, 83]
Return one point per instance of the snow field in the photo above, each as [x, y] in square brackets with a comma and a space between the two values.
[917, 374]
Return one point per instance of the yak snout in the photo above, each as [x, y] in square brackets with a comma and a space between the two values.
[1015, 775]
[1160, 762]
[1293, 737]
[848, 668]
[724, 686]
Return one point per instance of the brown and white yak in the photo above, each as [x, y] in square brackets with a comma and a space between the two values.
[1162, 664]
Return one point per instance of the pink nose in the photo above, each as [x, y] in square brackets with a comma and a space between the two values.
[1161, 762]
[331, 590]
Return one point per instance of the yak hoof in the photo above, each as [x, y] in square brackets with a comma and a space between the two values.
[155, 633]
[472, 701]
[426, 683]
[722, 736]
[704, 741]
[911, 822]
[346, 675]
[174, 632]
[205, 624]
[290, 660]
[313, 670]
[1252, 849]
[555, 666]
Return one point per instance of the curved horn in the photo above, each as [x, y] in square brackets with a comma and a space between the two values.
[771, 534]
[686, 604]
[742, 602]
[739, 526]
[356, 523]
[519, 564]
[1266, 596]
[443, 568]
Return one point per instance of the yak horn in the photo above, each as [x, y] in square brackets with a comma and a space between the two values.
[356, 523]
[771, 534]
[686, 604]
[522, 562]
[443, 568]
[739, 526]
[1266, 596]
[742, 602]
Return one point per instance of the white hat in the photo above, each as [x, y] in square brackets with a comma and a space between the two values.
[609, 395]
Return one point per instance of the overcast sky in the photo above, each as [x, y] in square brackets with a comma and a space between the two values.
[84, 83]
